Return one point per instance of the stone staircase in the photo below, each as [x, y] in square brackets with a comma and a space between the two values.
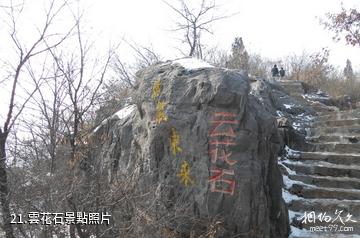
[322, 184]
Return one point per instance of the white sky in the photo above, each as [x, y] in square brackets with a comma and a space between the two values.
[273, 28]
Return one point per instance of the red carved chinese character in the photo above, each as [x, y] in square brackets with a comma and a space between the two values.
[224, 114]
[230, 133]
[218, 177]
[220, 119]
[224, 157]
[224, 142]
[218, 123]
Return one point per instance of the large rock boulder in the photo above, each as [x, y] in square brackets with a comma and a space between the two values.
[203, 151]
[288, 99]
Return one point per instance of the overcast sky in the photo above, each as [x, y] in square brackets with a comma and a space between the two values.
[273, 28]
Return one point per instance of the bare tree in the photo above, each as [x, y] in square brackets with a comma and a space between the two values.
[122, 77]
[217, 57]
[346, 23]
[313, 68]
[82, 86]
[193, 23]
[258, 66]
[46, 105]
[144, 57]
[51, 153]
[25, 53]
[83, 77]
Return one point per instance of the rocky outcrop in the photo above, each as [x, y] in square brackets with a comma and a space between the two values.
[202, 145]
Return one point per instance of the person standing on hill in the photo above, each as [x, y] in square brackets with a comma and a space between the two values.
[282, 72]
[275, 71]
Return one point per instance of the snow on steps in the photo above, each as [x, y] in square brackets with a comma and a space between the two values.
[327, 176]
[331, 157]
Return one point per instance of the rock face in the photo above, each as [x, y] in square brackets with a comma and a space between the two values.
[206, 150]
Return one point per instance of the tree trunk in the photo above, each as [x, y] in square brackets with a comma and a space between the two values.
[194, 40]
[4, 190]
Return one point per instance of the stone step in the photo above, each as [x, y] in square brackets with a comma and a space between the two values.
[293, 88]
[337, 123]
[321, 108]
[335, 158]
[334, 147]
[289, 81]
[338, 117]
[323, 169]
[350, 139]
[294, 91]
[295, 85]
[299, 97]
[327, 181]
[348, 114]
[325, 205]
[291, 84]
[306, 191]
[344, 130]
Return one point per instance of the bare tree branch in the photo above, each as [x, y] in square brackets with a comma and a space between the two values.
[25, 54]
[193, 23]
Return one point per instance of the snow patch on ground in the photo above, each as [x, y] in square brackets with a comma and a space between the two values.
[296, 126]
[295, 215]
[289, 171]
[289, 106]
[335, 153]
[121, 114]
[295, 162]
[288, 182]
[288, 197]
[296, 233]
[307, 118]
[125, 112]
[292, 153]
[192, 63]
[99, 126]
[27, 184]
[280, 113]
[315, 97]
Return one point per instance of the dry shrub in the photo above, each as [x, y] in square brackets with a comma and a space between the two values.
[315, 70]
[336, 88]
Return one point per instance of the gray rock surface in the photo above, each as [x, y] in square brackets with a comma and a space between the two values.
[179, 156]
